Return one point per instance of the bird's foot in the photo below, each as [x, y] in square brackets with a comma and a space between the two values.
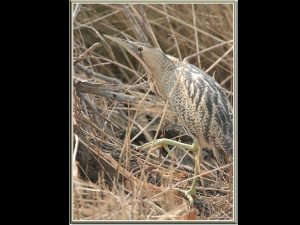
[188, 194]
[157, 144]
[165, 142]
[153, 144]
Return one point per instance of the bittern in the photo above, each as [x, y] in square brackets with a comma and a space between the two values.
[197, 99]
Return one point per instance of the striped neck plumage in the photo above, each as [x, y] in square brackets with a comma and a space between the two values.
[162, 73]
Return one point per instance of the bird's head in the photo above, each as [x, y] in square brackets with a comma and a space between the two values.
[145, 53]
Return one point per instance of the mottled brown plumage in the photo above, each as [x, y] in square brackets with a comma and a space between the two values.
[197, 99]
[202, 107]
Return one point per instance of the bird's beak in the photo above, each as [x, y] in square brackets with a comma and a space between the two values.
[129, 45]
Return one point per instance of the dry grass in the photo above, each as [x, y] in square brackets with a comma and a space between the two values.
[114, 111]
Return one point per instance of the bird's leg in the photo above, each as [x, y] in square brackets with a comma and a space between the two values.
[166, 147]
[198, 158]
[192, 191]
[164, 142]
[195, 147]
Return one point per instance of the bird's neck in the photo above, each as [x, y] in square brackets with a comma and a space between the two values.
[164, 76]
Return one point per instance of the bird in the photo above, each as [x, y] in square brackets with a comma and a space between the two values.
[197, 99]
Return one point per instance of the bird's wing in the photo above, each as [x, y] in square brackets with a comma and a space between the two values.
[198, 84]
[211, 103]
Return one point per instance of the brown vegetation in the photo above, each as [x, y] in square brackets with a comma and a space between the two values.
[114, 111]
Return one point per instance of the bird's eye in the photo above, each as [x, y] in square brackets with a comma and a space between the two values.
[140, 49]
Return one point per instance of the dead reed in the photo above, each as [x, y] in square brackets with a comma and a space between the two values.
[114, 111]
